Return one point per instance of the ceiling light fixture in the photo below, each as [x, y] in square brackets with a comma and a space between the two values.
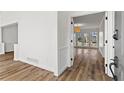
[79, 24]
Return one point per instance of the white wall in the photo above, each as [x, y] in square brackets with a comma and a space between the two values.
[62, 41]
[10, 36]
[37, 37]
[90, 30]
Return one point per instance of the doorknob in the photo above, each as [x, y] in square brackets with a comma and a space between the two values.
[110, 67]
[116, 61]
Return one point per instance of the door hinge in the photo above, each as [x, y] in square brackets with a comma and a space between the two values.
[71, 59]
[106, 41]
[106, 65]
[106, 18]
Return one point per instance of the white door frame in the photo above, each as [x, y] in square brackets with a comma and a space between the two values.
[72, 55]
[72, 50]
[109, 50]
[109, 41]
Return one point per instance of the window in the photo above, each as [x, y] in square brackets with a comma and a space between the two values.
[94, 33]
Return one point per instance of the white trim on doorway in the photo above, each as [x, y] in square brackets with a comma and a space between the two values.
[109, 25]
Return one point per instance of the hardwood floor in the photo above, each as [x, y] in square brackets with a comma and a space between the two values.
[7, 56]
[88, 65]
[18, 71]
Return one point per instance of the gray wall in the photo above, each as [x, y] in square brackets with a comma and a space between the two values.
[10, 36]
[119, 44]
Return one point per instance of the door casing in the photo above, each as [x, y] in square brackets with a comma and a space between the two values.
[108, 41]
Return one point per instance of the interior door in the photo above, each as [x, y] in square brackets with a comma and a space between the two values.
[109, 41]
[119, 44]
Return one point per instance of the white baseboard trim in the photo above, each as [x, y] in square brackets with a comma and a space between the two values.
[25, 61]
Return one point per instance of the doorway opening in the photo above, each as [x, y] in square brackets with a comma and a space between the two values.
[89, 45]
[9, 34]
[87, 39]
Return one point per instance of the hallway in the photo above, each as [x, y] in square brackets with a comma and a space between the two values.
[88, 66]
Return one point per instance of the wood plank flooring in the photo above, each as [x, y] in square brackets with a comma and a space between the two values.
[18, 71]
[88, 65]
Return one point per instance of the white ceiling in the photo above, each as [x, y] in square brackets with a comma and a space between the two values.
[89, 21]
